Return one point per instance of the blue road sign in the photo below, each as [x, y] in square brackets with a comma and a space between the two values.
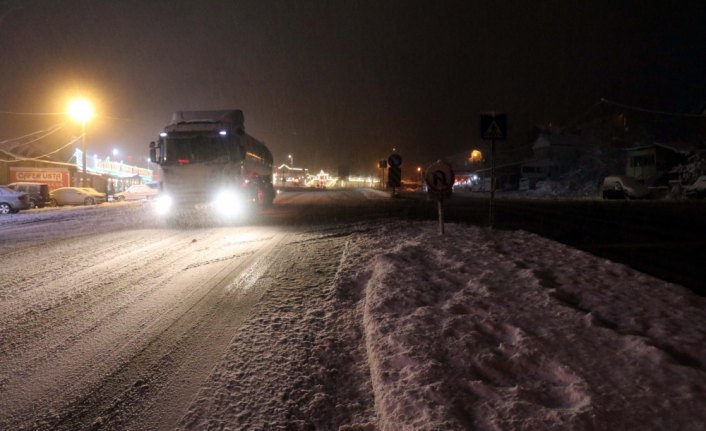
[395, 160]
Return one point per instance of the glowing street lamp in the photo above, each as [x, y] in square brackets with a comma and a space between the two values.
[81, 110]
[475, 157]
[291, 160]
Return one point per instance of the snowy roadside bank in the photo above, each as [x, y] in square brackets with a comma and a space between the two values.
[478, 329]
[505, 330]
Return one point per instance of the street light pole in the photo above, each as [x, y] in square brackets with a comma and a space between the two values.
[82, 111]
[83, 152]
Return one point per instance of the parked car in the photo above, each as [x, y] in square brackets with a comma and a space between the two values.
[12, 201]
[138, 192]
[76, 196]
[38, 192]
[696, 190]
[623, 187]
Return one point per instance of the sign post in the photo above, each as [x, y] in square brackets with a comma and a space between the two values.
[440, 179]
[394, 174]
[382, 164]
[493, 126]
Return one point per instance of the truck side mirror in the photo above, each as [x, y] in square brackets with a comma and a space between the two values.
[155, 156]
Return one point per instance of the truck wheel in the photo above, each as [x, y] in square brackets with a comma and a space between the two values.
[268, 195]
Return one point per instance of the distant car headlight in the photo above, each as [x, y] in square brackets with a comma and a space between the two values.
[163, 204]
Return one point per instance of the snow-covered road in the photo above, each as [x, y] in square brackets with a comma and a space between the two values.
[123, 324]
[110, 321]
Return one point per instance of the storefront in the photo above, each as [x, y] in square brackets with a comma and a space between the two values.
[20, 168]
[54, 177]
[110, 177]
[103, 175]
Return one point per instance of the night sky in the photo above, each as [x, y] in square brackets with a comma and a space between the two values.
[343, 82]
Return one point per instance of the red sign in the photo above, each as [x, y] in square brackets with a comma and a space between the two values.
[440, 179]
[54, 177]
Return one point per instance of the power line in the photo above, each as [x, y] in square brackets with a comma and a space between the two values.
[33, 113]
[47, 132]
[109, 117]
[651, 111]
[22, 159]
[583, 115]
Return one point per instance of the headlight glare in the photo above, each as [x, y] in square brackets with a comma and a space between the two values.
[228, 203]
[163, 204]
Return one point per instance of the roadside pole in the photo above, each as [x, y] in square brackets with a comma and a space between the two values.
[382, 164]
[492, 184]
[493, 127]
[394, 173]
[440, 180]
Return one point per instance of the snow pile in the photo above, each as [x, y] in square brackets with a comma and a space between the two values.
[694, 168]
[478, 329]
[571, 186]
[499, 330]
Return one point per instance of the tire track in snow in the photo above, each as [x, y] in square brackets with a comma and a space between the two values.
[291, 366]
[132, 303]
[171, 355]
[76, 291]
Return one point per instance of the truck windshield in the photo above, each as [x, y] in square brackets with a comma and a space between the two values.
[187, 148]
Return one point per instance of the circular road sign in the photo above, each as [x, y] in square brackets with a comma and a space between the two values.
[395, 160]
[440, 178]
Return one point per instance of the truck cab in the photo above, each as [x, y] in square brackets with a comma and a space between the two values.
[208, 161]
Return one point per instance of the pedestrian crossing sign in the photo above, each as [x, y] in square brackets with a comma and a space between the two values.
[493, 126]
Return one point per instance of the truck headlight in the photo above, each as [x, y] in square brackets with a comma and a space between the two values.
[228, 203]
[163, 204]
